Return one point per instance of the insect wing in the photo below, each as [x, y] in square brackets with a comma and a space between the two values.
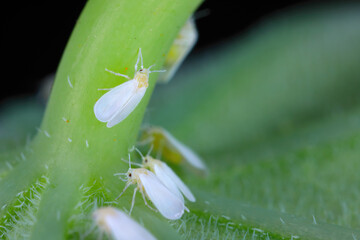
[113, 101]
[186, 152]
[166, 170]
[128, 107]
[168, 204]
[181, 47]
[161, 173]
[120, 225]
[123, 228]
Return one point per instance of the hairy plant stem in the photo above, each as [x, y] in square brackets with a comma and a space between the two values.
[72, 148]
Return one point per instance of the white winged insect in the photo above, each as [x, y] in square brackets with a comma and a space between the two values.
[115, 105]
[181, 47]
[119, 225]
[171, 148]
[168, 204]
[166, 175]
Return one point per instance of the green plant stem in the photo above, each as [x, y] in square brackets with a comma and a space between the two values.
[108, 34]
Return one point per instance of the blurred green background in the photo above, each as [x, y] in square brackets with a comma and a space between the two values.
[275, 113]
[276, 116]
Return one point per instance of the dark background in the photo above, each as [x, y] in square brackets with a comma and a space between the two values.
[34, 34]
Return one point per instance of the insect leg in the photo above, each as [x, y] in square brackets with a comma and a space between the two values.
[126, 186]
[186, 209]
[133, 201]
[118, 74]
[123, 179]
[143, 195]
[83, 236]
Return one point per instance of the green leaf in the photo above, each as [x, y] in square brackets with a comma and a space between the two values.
[276, 116]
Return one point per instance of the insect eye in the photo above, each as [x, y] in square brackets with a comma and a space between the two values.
[141, 70]
[130, 174]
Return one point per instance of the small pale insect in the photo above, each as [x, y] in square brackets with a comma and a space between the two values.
[119, 225]
[167, 176]
[171, 148]
[115, 105]
[180, 48]
[168, 204]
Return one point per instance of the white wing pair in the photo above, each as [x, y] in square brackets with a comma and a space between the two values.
[168, 204]
[185, 151]
[119, 102]
[115, 105]
[119, 225]
[167, 176]
[165, 139]
[172, 181]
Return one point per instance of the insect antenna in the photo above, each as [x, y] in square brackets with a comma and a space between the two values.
[132, 163]
[151, 66]
[142, 63]
[157, 71]
[142, 156]
[117, 174]
[123, 179]
[151, 148]
[137, 61]
[129, 162]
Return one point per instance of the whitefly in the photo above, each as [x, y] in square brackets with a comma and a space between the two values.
[117, 104]
[169, 204]
[170, 147]
[181, 47]
[119, 225]
[167, 176]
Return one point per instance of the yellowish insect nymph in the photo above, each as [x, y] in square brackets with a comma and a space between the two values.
[171, 149]
[180, 48]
